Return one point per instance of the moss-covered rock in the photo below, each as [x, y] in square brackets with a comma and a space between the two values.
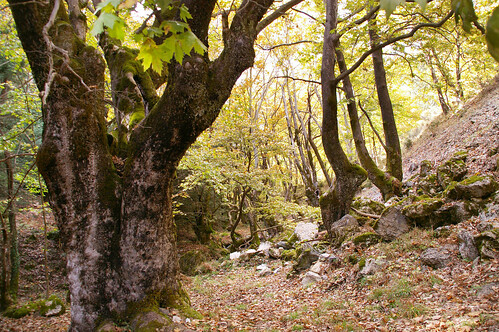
[366, 239]
[289, 255]
[422, 207]
[368, 205]
[14, 312]
[452, 170]
[473, 187]
[343, 229]
[53, 306]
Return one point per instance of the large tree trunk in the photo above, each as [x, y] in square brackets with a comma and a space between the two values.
[116, 218]
[393, 151]
[336, 202]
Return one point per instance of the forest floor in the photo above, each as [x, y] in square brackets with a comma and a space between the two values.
[404, 296]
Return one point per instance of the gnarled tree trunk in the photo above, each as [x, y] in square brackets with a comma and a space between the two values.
[113, 206]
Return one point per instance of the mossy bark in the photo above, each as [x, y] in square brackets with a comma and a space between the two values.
[117, 225]
[336, 202]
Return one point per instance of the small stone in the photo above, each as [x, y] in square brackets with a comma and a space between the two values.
[264, 248]
[188, 320]
[275, 252]
[234, 255]
[319, 267]
[177, 319]
[54, 312]
[310, 278]
[392, 224]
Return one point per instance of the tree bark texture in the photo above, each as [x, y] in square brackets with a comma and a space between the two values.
[336, 202]
[116, 218]
[392, 142]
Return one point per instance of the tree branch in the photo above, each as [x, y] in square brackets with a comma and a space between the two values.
[372, 127]
[286, 44]
[276, 14]
[391, 41]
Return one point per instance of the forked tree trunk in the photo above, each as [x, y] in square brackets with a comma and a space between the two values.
[392, 141]
[116, 220]
[336, 202]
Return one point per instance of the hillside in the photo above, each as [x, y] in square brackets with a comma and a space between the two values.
[474, 129]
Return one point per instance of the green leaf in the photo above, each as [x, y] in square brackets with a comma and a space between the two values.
[108, 4]
[104, 20]
[492, 34]
[465, 10]
[118, 30]
[389, 6]
[184, 13]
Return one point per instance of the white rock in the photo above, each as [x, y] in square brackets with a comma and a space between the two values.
[306, 231]
[187, 320]
[177, 319]
[250, 252]
[264, 271]
[318, 267]
[264, 248]
[235, 255]
[262, 267]
[310, 278]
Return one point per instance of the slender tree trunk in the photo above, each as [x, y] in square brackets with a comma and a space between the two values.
[336, 202]
[14, 249]
[393, 151]
[441, 99]
[385, 183]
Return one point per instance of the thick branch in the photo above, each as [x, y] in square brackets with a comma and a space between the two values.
[276, 14]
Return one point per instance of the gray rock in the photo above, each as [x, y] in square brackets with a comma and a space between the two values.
[234, 255]
[263, 270]
[392, 224]
[425, 168]
[453, 170]
[467, 247]
[275, 252]
[246, 255]
[305, 231]
[306, 259]
[310, 278]
[488, 244]
[283, 244]
[442, 231]
[263, 248]
[371, 267]
[477, 187]
[343, 229]
[435, 258]
[319, 267]
[487, 290]
[55, 311]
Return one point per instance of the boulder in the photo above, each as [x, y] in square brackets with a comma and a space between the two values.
[452, 170]
[473, 187]
[429, 185]
[442, 231]
[307, 257]
[367, 205]
[435, 258]
[305, 231]
[435, 212]
[392, 224]
[467, 247]
[264, 248]
[488, 244]
[310, 278]
[343, 229]
[488, 290]
[366, 239]
[246, 255]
